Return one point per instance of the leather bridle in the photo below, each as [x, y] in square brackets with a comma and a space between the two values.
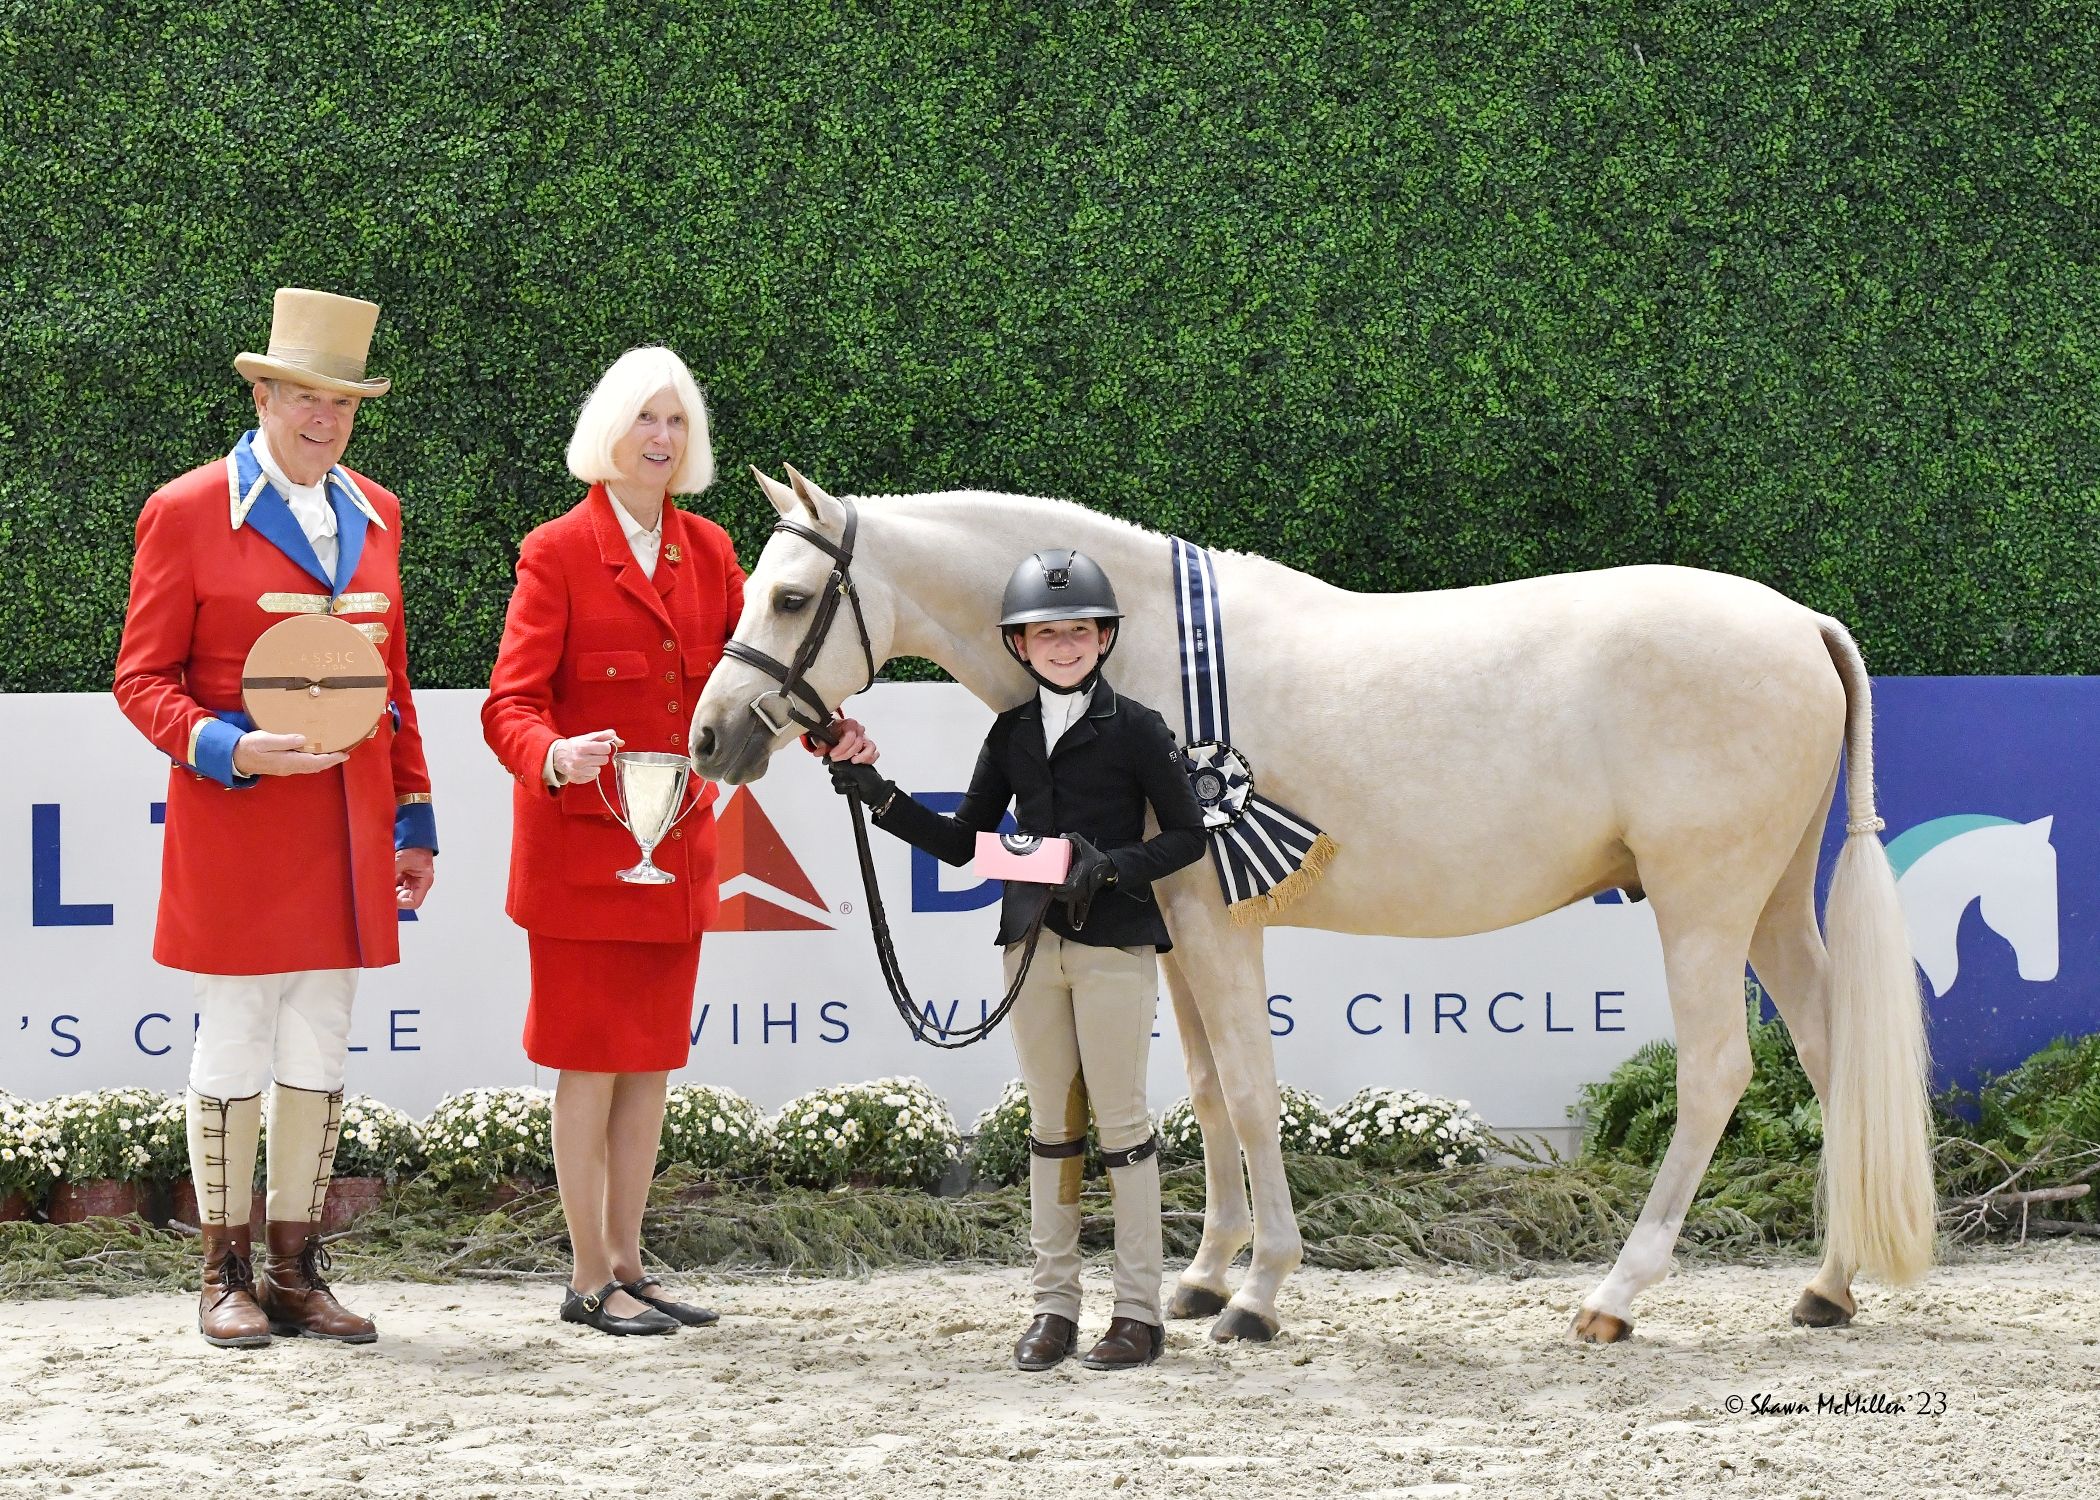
[793, 677]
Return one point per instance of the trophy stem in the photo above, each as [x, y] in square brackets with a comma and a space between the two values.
[647, 873]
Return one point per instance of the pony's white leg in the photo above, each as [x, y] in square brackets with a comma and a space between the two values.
[1703, 965]
[1227, 1222]
[1794, 967]
[1222, 965]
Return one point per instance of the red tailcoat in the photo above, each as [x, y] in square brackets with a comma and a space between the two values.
[591, 642]
[275, 873]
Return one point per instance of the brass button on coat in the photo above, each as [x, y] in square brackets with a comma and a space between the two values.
[670, 645]
[671, 677]
[671, 707]
[612, 671]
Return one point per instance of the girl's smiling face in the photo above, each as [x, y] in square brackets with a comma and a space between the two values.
[1062, 651]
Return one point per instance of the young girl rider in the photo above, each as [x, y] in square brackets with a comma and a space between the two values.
[1079, 761]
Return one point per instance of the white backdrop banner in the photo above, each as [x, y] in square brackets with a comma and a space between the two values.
[789, 995]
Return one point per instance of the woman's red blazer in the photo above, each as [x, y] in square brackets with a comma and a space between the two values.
[590, 643]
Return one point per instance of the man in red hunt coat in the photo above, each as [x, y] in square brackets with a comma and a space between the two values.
[283, 872]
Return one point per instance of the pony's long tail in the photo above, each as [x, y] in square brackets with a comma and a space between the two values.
[1879, 1200]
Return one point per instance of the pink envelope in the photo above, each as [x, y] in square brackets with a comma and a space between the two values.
[1022, 856]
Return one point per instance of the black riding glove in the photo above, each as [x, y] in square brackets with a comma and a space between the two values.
[1091, 873]
[851, 779]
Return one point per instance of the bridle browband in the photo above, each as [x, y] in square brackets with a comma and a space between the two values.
[792, 677]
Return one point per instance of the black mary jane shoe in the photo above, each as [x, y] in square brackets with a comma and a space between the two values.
[692, 1317]
[588, 1308]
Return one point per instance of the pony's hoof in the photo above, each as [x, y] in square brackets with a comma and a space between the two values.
[1594, 1327]
[1244, 1323]
[1815, 1310]
[1195, 1302]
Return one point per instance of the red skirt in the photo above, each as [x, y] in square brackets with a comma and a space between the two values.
[610, 1007]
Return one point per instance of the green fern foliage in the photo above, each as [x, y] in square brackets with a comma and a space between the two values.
[2036, 1126]
[1632, 1114]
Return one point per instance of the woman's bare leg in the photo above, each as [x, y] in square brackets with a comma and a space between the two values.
[634, 1128]
[582, 1113]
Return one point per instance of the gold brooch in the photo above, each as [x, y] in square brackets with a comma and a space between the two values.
[672, 552]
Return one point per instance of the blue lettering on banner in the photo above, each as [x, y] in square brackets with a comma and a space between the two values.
[831, 1016]
[48, 907]
[1289, 1023]
[156, 813]
[65, 1036]
[397, 1030]
[138, 1035]
[926, 891]
[1506, 1014]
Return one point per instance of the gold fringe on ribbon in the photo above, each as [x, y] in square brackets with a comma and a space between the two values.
[1258, 909]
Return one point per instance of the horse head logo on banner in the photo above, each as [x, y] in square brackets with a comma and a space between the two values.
[1944, 866]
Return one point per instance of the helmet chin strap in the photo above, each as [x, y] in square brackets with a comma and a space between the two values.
[1084, 685]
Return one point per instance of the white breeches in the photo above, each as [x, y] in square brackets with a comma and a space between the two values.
[252, 1028]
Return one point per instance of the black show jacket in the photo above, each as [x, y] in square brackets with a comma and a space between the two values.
[1113, 760]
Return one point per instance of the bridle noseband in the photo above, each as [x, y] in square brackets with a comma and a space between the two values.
[792, 679]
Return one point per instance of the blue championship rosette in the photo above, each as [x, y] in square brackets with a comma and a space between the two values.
[1265, 854]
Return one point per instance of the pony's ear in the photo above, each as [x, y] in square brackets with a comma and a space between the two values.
[782, 497]
[822, 508]
[2040, 827]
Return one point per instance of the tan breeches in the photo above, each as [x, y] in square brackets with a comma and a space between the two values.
[1082, 1028]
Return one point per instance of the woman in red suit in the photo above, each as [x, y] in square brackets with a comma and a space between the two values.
[620, 612]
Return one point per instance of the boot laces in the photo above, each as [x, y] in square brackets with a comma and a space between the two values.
[236, 1274]
[313, 1260]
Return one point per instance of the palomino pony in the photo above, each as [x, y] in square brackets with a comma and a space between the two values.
[1481, 756]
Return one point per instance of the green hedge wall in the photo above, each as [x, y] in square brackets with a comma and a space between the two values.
[1409, 295]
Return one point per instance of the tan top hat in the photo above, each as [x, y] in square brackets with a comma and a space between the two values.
[318, 339]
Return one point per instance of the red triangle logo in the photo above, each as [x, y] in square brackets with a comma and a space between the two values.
[745, 912]
[747, 844]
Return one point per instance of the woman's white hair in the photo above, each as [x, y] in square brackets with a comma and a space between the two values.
[618, 398]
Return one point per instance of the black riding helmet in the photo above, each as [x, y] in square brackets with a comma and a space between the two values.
[1058, 584]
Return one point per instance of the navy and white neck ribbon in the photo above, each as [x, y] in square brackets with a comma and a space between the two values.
[1255, 844]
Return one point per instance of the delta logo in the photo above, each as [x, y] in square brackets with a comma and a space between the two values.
[763, 887]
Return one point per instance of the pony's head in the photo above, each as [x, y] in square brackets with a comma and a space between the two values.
[799, 617]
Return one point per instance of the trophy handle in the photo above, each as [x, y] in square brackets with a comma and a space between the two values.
[691, 782]
[599, 781]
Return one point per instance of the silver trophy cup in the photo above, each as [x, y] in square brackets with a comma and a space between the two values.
[650, 786]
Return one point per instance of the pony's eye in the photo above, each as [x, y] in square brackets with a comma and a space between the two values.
[787, 601]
